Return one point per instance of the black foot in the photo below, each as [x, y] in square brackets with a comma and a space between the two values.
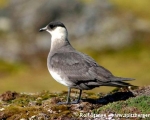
[63, 103]
[75, 102]
[67, 103]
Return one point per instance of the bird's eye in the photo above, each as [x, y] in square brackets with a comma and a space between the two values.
[51, 26]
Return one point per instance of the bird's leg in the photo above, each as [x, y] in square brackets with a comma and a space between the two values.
[78, 100]
[79, 96]
[68, 98]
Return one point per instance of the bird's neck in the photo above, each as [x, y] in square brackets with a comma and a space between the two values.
[58, 42]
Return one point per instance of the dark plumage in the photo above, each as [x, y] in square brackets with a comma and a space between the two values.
[56, 24]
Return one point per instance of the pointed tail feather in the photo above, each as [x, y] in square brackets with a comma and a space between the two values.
[117, 84]
[121, 79]
[121, 84]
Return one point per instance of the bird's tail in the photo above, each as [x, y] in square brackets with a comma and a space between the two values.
[118, 82]
[121, 79]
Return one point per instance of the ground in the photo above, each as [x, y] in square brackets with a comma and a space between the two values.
[119, 104]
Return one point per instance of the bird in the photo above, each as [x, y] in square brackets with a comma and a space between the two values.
[74, 69]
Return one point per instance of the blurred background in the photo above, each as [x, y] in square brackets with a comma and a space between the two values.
[116, 33]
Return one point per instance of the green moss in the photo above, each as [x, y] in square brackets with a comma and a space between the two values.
[60, 108]
[23, 100]
[12, 112]
[46, 94]
[137, 104]
[41, 105]
[141, 102]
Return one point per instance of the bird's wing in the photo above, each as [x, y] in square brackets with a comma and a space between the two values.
[79, 67]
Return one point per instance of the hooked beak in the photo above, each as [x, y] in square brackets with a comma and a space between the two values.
[43, 29]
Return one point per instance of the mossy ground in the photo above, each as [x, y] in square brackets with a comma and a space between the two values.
[43, 105]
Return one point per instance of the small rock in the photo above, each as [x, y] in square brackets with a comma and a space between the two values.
[8, 96]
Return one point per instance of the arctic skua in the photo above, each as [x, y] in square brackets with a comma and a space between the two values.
[75, 69]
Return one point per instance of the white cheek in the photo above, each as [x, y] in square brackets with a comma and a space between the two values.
[58, 33]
